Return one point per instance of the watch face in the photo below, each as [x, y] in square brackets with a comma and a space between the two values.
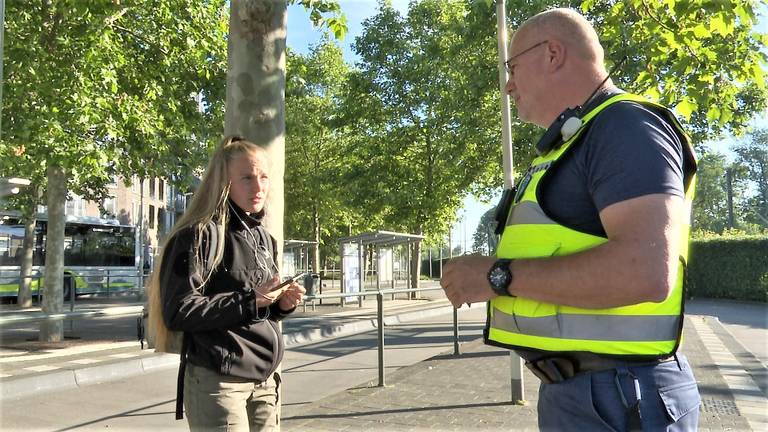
[498, 277]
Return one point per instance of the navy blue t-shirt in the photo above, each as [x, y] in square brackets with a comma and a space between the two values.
[628, 151]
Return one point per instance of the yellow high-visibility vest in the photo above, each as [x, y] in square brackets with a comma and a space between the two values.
[639, 330]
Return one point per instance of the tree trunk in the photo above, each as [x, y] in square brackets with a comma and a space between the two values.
[28, 248]
[53, 294]
[255, 107]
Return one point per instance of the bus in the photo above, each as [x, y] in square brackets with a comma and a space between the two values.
[100, 256]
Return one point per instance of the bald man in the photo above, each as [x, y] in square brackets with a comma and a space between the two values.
[587, 281]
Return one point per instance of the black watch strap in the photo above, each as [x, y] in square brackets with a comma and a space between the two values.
[500, 276]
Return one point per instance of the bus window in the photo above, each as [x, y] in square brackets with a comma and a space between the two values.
[11, 244]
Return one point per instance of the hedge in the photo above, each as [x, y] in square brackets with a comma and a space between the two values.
[729, 267]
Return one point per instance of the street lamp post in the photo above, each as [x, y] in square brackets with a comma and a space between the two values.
[2, 44]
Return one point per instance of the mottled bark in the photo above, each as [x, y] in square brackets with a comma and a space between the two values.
[255, 106]
[53, 292]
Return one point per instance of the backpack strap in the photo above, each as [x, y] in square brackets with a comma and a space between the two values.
[212, 237]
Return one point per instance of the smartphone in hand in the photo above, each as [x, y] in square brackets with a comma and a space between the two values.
[290, 280]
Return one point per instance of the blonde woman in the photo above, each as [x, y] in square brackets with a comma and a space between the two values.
[218, 284]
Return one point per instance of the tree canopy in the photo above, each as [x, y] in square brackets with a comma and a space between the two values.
[103, 89]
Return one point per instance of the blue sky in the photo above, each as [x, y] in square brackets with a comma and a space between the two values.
[301, 35]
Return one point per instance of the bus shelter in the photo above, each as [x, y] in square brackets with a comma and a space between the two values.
[382, 244]
[296, 254]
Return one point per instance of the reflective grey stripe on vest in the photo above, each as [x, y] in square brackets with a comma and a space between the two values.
[630, 328]
[528, 212]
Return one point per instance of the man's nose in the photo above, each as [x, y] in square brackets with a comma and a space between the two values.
[510, 86]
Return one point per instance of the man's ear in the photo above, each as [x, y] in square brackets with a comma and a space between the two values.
[556, 53]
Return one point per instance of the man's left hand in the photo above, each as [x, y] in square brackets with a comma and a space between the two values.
[465, 279]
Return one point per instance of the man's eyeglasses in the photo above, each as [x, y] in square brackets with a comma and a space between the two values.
[510, 67]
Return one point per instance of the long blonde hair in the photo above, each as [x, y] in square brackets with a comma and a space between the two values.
[209, 204]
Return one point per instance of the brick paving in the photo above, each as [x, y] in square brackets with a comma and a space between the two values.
[472, 392]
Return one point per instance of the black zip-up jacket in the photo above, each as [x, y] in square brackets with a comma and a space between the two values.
[225, 331]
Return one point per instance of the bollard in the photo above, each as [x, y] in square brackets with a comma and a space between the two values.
[516, 379]
[456, 332]
[72, 291]
[380, 321]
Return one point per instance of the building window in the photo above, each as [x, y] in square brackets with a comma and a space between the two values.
[75, 206]
[151, 217]
[152, 188]
[161, 220]
[110, 206]
[161, 190]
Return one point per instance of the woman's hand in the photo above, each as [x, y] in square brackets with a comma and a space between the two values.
[267, 293]
[291, 296]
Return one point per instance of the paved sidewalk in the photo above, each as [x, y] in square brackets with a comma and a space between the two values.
[101, 344]
[469, 392]
[472, 392]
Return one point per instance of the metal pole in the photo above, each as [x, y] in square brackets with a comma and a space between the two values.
[392, 268]
[378, 268]
[430, 263]
[380, 324]
[360, 273]
[408, 277]
[72, 290]
[2, 59]
[516, 365]
[441, 260]
[456, 332]
[506, 137]
[341, 274]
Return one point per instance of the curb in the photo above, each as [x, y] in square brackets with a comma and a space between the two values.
[68, 379]
[15, 388]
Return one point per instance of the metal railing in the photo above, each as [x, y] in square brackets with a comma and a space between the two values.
[380, 317]
[70, 283]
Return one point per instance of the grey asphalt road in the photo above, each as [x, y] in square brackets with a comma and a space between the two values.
[746, 321]
[311, 372]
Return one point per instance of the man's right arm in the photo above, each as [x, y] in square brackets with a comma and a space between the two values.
[637, 264]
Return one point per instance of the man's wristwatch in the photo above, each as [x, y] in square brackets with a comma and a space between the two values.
[500, 277]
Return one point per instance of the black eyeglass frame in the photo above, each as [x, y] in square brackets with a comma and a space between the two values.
[530, 48]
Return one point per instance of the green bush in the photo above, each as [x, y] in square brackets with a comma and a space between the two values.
[730, 266]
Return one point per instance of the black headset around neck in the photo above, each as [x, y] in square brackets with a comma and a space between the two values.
[569, 121]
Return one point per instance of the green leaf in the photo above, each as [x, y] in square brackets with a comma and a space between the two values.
[700, 31]
[685, 108]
